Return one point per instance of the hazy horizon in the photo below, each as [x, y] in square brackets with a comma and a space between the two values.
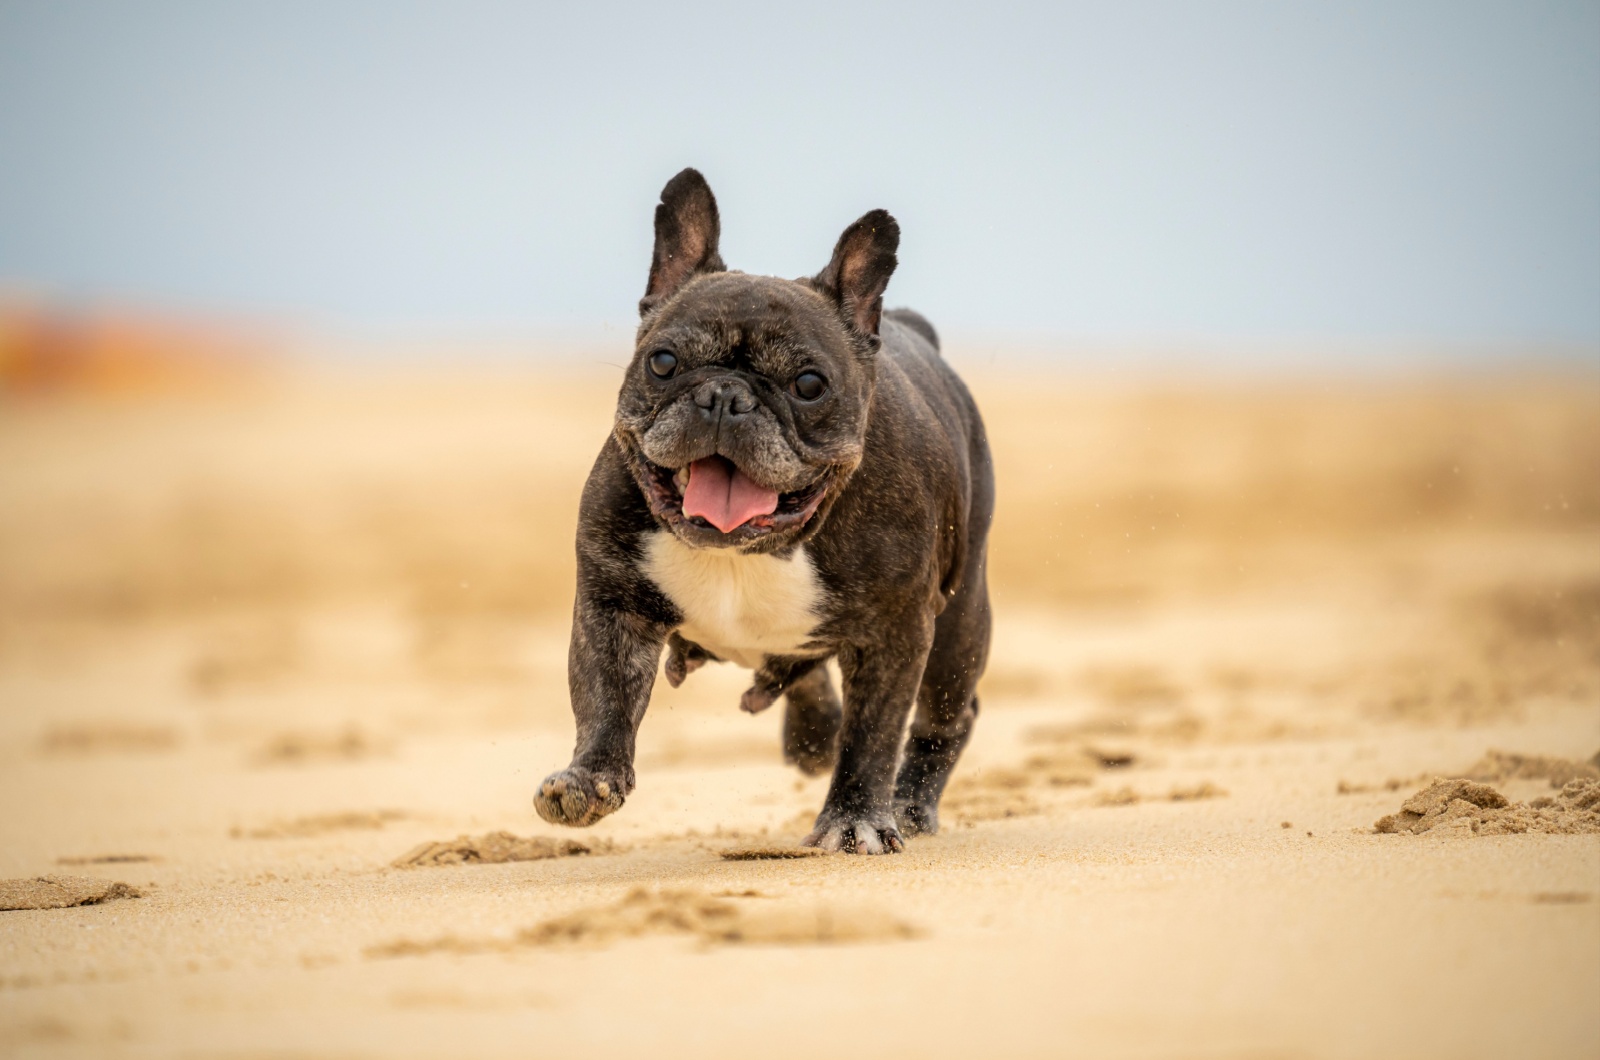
[1236, 175]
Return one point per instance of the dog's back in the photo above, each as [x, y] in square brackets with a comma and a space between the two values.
[911, 343]
[916, 322]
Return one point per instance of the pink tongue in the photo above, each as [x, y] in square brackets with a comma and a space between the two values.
[724, 496]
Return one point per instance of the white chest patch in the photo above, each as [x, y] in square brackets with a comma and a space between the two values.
[738, 607]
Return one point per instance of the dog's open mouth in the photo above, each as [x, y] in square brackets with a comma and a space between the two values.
[713, 493]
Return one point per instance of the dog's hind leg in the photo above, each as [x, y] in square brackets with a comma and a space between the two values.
[811, 717]
[947, 705]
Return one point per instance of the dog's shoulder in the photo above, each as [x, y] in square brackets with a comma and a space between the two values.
[613, 521]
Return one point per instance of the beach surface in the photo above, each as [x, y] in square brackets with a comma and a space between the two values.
[283, 659]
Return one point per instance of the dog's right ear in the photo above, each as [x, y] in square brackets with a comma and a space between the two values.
[687, 232]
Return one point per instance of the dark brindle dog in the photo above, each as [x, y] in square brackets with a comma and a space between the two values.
[794, 475]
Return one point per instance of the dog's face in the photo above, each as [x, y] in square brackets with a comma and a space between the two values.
[744, 410]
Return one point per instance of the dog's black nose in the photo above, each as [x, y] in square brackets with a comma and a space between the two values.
[724, 398]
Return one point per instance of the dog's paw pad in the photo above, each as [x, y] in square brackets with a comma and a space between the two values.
[577, 797]
[856, 835]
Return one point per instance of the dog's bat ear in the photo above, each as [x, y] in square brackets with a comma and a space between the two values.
[862, 263]
[687, 232]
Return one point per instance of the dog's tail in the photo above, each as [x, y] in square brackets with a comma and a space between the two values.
[916, 322]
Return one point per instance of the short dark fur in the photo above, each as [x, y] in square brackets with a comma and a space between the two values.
[886, 480]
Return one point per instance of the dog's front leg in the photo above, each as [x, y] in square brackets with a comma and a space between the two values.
[610, 670]
[880, 686]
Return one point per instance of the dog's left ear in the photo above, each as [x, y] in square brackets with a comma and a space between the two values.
[862, 263]
[687, 232]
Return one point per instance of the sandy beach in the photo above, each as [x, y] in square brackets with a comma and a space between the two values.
[260, 643]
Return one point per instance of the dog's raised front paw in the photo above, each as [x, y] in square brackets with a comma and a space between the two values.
[916, 818]
[856, 834]
[578, 797]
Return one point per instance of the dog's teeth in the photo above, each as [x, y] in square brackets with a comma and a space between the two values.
[680, 479]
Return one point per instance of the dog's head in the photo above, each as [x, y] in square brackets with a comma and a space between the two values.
[744, 411]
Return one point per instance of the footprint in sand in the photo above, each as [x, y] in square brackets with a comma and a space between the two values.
[87, 738]
[711, 920]
[321, 824]
[299, 748]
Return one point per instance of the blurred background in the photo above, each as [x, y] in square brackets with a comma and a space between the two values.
[311, 314]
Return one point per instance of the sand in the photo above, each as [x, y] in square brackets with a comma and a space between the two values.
[709, 919]
[496, 848]
[1503, 765]
[786, 852]
[1462, 807]
[61, 892]
[263, 652]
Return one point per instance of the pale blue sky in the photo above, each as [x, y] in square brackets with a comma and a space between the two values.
[1391, 171]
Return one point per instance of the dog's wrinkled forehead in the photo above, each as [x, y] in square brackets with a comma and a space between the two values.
[755, 323]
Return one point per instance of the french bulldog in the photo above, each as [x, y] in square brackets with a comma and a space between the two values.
[794, 475]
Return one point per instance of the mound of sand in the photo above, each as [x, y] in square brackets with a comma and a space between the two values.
[1500, 766]
[61, 892]
[1462, 807]
[710, 919]
[494, 848]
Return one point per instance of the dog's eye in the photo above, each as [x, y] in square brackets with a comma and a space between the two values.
[808, 386]
[663, 363]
